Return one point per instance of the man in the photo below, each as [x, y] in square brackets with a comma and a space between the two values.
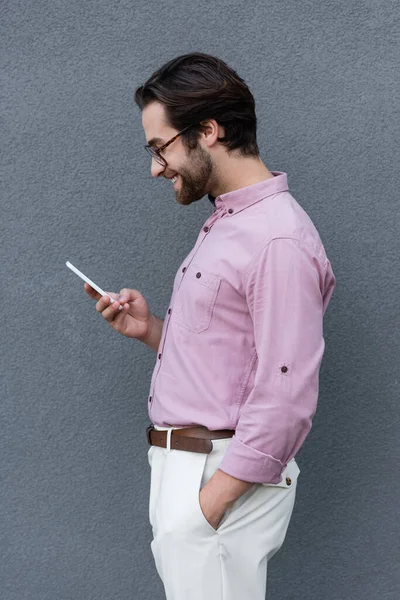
[235, 384]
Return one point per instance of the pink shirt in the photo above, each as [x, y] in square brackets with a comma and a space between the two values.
[242, 341]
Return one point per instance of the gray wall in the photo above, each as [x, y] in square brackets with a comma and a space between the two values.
[76, 186]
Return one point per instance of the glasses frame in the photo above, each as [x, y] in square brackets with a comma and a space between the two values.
[156, 152]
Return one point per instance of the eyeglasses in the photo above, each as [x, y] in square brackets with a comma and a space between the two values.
[156, 152]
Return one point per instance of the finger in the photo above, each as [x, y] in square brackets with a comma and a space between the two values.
[106, 299]
[103, 303]
[91, 292]
[116, 297]
[111, 312]
[108, 308]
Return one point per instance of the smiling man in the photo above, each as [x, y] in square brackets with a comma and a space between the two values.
[235, 384]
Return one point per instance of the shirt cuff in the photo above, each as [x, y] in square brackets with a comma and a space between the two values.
[248, 464]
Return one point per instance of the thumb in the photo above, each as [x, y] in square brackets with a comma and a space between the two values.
[128, 295]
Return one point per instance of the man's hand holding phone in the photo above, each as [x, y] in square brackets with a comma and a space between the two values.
[133, 320]
[126, 312]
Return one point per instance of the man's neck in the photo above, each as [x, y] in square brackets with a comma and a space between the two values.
[237, 173]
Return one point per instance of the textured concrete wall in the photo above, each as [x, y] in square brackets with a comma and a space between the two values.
[76, 186]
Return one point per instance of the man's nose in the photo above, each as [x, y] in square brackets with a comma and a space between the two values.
[156, 168]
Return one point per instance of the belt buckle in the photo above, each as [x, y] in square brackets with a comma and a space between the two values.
[149, 429]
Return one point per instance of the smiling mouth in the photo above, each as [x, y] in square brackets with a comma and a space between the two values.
[175, 182]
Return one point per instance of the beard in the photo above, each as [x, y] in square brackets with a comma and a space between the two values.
[195, 180]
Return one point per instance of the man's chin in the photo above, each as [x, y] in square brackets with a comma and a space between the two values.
[184, 200]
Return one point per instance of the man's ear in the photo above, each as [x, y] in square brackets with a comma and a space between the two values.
[211, 132]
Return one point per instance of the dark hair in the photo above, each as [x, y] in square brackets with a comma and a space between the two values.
[196, 87]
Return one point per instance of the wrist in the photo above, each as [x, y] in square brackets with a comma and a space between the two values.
[152, 337]
[147, 335]
[227, 489]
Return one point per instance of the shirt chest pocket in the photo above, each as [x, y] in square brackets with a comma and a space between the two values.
[195, 299]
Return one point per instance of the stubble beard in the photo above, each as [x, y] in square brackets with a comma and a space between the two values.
[195, 181]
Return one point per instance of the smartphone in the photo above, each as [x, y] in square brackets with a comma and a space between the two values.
[89, 281]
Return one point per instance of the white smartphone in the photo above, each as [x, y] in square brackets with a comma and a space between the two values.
[89, 281]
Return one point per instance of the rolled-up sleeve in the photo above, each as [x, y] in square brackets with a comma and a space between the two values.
[287, 288]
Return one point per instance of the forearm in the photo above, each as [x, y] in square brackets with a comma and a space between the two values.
[153, 337]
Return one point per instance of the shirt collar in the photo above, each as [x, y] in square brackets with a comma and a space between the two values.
[242, 198]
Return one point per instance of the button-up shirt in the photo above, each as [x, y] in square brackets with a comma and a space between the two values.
[242, 341]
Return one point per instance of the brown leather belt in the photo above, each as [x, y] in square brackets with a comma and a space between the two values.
[191, 439]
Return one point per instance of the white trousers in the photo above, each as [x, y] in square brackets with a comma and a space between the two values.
[197, 562]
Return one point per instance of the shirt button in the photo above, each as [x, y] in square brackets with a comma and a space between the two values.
[198, 275]
[230, 211]
[184, 269]
[206, 229]
[288, 481]
[159, 356]
[284, 369]
[169, 311]
[150, 399]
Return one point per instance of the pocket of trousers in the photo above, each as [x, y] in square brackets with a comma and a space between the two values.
[174, 498]
[197, 488]
[211, 463]
[237, 509]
